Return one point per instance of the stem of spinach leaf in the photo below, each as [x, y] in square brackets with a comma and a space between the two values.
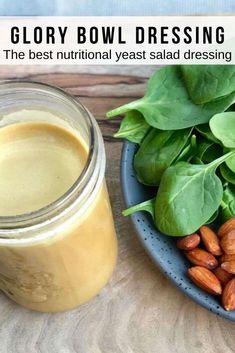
[223, 204]
[143, 206]
[221, 159]
[125, 108]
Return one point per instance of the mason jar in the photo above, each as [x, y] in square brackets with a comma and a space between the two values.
[59, 256]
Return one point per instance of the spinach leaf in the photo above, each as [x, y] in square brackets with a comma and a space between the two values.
[202, 146]
[205, 151]
[185, 154]
[227, 174]
[231, 163]
[178, 98]
[167, 105]
[195, 150]
[211, 153]
[133, 127]
[158, 151]
[208, 82]
[189, 194]
[228, 203]
[147, 206]
[223, 127]
[213, 217]
[205, 131]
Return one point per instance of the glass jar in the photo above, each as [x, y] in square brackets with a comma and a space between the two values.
[59, 256]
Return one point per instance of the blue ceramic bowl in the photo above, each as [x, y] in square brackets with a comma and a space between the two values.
[161, 248]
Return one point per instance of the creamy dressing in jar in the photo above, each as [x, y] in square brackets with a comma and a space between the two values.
[58, 244]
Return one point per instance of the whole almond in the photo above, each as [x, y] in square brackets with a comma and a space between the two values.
[228, 243]
[205, 279]
[228, 296]
[222, 275]
[189, 242]
[210, 241]
[229, 266]
[226, 258]
[201, 257]
[226, 227]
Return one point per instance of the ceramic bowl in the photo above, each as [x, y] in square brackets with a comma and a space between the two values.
[161, 248]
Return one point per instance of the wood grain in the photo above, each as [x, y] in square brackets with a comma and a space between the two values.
[139, 311]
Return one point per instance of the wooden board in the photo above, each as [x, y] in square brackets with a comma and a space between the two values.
[139, 311]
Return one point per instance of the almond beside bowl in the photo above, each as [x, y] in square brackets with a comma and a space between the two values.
[161, 248]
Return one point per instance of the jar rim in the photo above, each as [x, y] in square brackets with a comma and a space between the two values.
[53, 209]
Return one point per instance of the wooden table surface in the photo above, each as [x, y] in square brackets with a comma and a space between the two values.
[139, 311]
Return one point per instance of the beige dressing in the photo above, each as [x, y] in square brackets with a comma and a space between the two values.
[39, 162]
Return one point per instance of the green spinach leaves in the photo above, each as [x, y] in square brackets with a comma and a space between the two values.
[133, 127]
[206, 83]
[228, 203]
[189, 194]
[158, 151]
[167, 104]
[185, 128]
[223, 128]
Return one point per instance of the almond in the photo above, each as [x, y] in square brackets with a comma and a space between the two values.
[229, 266]
[205, 279]
[228, 243]
[226, 258]
[201, 258]
[222, 275]
[189, 242]
[210, 241]
[228, 297]
[226, 227]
